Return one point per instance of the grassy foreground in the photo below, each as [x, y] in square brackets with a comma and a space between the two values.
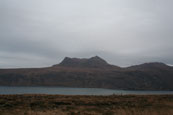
[86, 105]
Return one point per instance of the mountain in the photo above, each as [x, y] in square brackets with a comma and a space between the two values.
[93, 62]
[156, 65]
[94, 72]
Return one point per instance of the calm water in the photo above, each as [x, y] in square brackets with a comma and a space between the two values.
[72, 91]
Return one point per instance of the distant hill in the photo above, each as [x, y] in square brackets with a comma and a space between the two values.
[94, 72]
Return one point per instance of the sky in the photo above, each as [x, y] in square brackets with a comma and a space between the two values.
[40, 33]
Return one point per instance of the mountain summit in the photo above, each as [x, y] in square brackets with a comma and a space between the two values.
[95, 62]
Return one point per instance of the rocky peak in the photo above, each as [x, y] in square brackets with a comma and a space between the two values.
[84, 62]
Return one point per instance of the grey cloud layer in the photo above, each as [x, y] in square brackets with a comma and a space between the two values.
[37, 33]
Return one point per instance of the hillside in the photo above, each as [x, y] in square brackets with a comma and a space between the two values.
[93, 72]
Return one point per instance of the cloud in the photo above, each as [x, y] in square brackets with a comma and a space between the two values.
[39, 33]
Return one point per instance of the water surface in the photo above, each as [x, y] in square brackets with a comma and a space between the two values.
[72, 91]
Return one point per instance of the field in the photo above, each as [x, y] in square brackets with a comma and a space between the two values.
[86, 105]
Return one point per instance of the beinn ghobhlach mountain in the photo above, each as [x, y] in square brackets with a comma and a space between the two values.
[94, 72]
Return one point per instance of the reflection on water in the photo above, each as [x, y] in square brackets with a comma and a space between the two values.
[72, 91]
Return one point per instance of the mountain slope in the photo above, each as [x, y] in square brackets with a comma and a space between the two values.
[93, 72]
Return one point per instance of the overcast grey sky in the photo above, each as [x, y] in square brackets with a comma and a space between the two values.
[36, 33]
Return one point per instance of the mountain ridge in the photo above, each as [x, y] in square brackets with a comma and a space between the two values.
[67, 61]
[92, 73]
[93, 62]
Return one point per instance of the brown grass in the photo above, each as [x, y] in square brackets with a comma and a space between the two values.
[86, 105]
